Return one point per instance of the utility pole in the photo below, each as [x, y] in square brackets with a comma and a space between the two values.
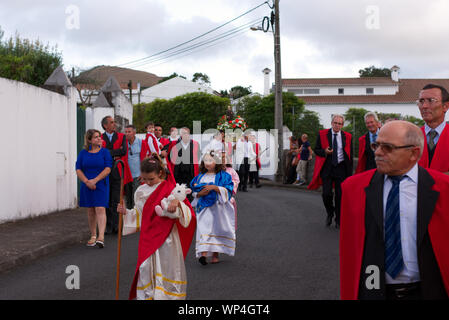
[278, 119]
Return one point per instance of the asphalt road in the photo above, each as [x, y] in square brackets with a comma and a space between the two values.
[284, 251]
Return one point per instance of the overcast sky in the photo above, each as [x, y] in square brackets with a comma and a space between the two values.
[321, 38]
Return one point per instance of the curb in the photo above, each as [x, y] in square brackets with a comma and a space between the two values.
[34, 254]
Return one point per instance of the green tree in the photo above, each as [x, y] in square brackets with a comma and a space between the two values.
[239, 91]
[309, 123]
[173, 75]
[181, 111]
[258, 112]
[26, 60]
[372, 71]
[355, 117]
[201, 78]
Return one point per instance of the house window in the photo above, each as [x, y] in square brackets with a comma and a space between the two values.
[341, 91]
[369, 90]
[311, 91]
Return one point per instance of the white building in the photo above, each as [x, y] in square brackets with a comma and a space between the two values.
[328, 96]
[172, 88]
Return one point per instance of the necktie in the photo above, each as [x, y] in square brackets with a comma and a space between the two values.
[432, 134]
[335, 151]
[393, 249]
[374, 137]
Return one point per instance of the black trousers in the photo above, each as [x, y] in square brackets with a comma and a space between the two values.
[244, 173]
[254, 177]
[114, 199]
[333, 180]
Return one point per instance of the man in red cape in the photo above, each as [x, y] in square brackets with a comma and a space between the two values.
[156, 229]
[183, 158]
[117, 145]
[424, 246]
[366, 155]
[433, 103]
[333, 164]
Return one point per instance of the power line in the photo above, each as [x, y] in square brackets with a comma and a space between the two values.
[202, 35]
[227, 34]
[203, 48]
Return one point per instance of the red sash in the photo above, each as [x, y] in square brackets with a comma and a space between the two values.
[145, 150]
[156, 229]
[361, 165]
[319, 161]
[151, 139]
[257, 156]
[440, 160]
[352, 232]
[117, 145]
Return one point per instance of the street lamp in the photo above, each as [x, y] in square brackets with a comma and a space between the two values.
[278, 121]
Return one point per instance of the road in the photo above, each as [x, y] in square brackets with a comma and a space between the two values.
[284, 251]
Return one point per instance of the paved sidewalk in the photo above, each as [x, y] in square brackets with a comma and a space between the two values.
[26, 240]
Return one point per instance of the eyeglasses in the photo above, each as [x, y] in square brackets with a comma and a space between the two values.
[338, 123]
[388, 147]
[430, 101]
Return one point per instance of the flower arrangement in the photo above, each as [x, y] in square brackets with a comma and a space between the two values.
[237, 123]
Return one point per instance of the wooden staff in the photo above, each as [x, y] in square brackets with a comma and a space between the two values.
[120, 226]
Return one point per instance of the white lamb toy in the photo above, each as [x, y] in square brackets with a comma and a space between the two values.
[180, 192]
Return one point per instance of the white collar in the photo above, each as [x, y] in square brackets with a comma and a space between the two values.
[438, 129]
[412, 174]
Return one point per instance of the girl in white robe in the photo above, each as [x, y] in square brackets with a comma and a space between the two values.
[212, 191]
[161, 275]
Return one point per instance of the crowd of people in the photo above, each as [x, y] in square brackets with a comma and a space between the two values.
[393, 212]
[150, 170]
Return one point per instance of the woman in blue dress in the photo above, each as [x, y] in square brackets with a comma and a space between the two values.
[92, 168]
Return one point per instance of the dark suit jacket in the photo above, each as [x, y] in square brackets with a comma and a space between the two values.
[327, 166]
[119, 152]
[374, 252]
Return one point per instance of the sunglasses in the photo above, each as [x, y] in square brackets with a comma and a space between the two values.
[388, 147]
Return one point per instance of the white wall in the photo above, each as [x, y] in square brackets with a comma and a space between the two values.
[325, 111]
[172, 88]
[37, 173]
[95, 115]
[348, 90]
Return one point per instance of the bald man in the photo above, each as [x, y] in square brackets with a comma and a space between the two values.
[395, 223]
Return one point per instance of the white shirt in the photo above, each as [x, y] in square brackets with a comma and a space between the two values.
[438, 129]
[408, 202]
[340, 154]
[185, 145]
[110, 135]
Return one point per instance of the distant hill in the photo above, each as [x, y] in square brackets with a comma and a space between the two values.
[97, 76]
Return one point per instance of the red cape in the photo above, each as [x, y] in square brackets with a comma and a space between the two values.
[319, 161]
[156, 229]
[440, 160]
[361, 165]
[151, 139]
[118, 144]
[352, 231]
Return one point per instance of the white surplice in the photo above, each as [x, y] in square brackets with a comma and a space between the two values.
[162, 276]
[215, 231]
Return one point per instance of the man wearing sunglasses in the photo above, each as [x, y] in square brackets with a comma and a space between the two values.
[333, 164]
[433, 103]
[366, 154]
[395, 223]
